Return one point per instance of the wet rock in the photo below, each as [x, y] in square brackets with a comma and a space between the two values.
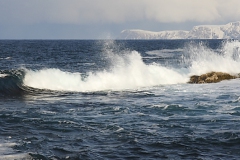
[211, 77]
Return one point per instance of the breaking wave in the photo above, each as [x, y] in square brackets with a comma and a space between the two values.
[127, 71]
[11, 82]
[201, 59]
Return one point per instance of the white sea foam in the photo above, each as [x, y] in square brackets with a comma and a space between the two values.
[3, 75]
[6, 58]
[6, 147]
[16, 156]
[128, 71]
[202, 59]
[7, 152]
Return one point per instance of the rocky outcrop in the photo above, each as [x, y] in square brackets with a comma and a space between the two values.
[212, 77]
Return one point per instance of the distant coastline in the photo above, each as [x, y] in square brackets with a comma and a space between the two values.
[228, 31]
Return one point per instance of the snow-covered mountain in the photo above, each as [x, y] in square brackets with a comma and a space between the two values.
[228, 31]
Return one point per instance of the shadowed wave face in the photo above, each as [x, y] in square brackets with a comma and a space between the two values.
[11, 83]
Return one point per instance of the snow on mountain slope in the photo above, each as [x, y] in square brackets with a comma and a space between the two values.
[228, 31]
[141, 34]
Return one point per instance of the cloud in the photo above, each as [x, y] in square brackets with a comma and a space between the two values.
[184, 10]
[192, 10]
[93, 18]
[110, 11]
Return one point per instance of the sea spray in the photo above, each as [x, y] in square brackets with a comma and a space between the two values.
[200, 59]
[128, 72]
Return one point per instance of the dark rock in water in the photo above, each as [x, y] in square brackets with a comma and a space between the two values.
[211, 77]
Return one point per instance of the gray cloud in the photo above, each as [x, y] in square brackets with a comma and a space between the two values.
[116, 12]
[109, 11]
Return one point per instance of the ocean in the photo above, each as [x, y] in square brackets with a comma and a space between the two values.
[118, 99]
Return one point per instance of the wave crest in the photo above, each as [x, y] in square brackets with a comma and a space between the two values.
[200, 59]
[128, 72]
[11, 82]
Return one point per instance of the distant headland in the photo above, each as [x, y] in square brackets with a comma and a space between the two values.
[228, 31]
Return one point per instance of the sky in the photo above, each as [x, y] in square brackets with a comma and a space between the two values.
[105, 19]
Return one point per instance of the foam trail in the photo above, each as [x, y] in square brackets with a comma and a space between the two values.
[128, 72]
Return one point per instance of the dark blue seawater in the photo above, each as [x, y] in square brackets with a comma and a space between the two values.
[86, 99]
